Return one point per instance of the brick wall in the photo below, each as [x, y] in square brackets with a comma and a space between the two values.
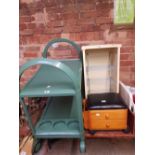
[83, 21]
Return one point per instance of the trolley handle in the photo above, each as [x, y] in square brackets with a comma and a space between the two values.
[58, 40]
[53, 63]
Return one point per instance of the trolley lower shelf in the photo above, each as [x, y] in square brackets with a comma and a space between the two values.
[58, 129]
[57, 121]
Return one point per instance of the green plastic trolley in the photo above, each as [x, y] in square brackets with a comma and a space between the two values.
[60, 82]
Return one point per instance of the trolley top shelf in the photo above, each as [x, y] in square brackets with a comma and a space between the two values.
[50, 81]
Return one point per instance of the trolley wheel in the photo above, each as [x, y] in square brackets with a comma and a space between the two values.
[37, 144]
[82, 146]
[92, 132]
[127, 130]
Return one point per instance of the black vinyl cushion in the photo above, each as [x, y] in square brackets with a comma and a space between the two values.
[105, 101]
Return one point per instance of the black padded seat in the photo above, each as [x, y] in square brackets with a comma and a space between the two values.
[105, 101]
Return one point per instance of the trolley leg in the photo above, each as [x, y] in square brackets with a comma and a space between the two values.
[37, 144]
[82, 146]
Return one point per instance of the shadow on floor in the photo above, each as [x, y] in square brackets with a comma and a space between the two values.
[93, 147]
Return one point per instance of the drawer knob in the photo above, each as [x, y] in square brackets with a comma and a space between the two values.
[107, 125]
[107, 116]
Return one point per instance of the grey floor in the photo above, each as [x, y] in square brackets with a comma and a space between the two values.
[93, 147]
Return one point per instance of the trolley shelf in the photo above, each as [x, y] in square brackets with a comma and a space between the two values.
[52, 85]
[44, 91]
[56, 124]
[56, 128]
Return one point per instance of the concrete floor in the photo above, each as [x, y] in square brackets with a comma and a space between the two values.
[93, 147]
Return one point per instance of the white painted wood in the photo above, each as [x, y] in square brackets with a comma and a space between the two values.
[101, 68]
[101, 46]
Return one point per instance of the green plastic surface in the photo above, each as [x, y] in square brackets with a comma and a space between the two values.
[50, 79]
[59, 119]
[60, 81]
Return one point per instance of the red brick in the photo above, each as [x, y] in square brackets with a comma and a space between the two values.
[84, 1]
[39, 30]
[53, 30]
[50, 3]
[132, 69]
[32, 48]
[86, 7]
[70, 16]
[132, 76]
[98, 36]
[129, 49]
[89, 35]
[39, 5]
[103, 12]
[33, 39]
[77, 36]
[65, 35]
[23, 9]
[81, 36]
[125, 76]
[57, 23]
[127, 63]
[127, 42]
[132, 56]
[53, 10]
[70, 1]
[22, 27]
[132, 83]
[104, 26]
[73, 36]
[25, 19]
[122, 34]
[44, 39]
[72, 28]
[125, 56]
[69, 8]
[31, 25]
[70, 22]
[22, 40]
[86, 21]
[27, 32]
[104, 6]
[88, 28]
[22, 80]
[90, 14]
[125, 69]
[130, 34]
[28, 73]
[54, 16]
[103, 20]
[110, 37]
[30, 54]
